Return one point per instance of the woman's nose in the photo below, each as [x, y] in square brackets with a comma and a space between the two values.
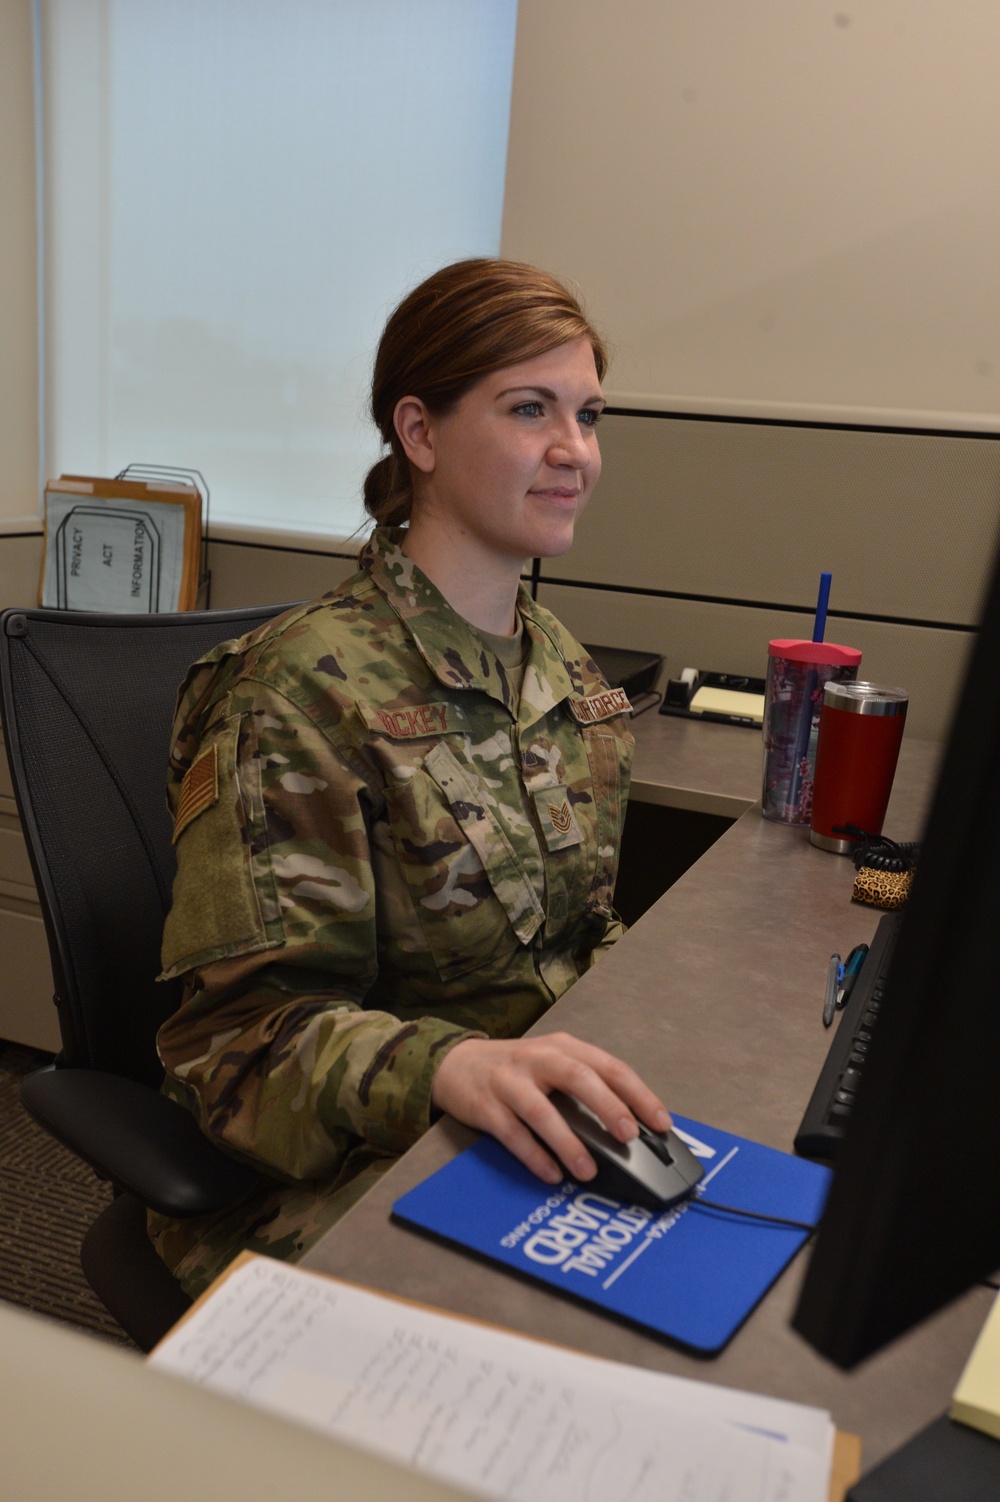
[569, 446]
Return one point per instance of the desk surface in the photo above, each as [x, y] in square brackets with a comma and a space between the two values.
[699, 765]
[715, 994]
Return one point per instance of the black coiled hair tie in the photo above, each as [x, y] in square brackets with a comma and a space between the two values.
[877, 852]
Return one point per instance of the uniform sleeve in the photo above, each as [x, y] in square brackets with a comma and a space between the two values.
[273, 927]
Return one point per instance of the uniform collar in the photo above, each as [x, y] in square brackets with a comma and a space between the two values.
[453, 649]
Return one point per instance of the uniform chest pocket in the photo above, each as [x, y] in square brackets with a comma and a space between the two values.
[469, 887]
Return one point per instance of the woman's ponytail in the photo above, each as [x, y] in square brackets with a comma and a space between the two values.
[388, 494]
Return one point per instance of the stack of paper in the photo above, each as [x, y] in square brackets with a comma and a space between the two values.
[496, 1413]
[728, 701]
[977, 1396]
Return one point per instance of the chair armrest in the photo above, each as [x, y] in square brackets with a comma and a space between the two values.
[139, 1139]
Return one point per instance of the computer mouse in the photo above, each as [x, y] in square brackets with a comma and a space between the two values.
[655, 1169]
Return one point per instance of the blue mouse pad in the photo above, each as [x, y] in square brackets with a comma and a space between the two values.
[690, 1273]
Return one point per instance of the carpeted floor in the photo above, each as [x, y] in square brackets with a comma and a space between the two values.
[47, 1200]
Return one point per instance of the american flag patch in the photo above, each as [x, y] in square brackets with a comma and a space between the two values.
[199, 790]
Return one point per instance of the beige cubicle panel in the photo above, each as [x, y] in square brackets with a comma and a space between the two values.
[275, 571]
[85, 1420]
[20, 565]
[707, 537]
[27, 1013]
[752, 511]
[245, 573]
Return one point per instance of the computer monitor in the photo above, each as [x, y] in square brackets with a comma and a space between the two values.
[913, 1216]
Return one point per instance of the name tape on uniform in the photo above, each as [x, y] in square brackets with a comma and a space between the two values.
[416, 723]
[603, 706]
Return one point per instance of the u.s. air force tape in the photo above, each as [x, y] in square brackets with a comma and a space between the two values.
[602, 706]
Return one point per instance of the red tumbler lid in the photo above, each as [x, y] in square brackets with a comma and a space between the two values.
[823, 653]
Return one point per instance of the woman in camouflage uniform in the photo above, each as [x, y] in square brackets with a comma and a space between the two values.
[397, 809]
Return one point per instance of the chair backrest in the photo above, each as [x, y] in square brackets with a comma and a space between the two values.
[87, 707]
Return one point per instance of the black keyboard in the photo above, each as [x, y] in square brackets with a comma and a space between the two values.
[827, 1113]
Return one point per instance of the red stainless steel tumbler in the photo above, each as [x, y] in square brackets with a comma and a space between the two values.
[860, 728]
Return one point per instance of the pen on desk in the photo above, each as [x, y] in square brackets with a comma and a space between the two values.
[852, 969]
[830, 998]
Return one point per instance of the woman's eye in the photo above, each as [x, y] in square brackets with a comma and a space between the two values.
[528, 409]
[589, 417]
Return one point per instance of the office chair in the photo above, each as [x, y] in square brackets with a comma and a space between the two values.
[87, 707]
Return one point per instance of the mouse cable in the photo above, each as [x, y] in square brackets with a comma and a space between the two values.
[774, 1220]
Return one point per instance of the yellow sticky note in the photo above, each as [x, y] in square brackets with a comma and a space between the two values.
[728, 701]
[977, 1396]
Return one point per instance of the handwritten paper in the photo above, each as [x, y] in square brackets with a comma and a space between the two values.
[502, 1416]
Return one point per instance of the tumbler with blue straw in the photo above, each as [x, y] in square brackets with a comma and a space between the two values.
[797, 672]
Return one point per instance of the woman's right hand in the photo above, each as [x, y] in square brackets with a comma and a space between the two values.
[502, 1086]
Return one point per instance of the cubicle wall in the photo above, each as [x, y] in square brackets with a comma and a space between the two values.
[254, 574]
[706, 539]
[26, 1011]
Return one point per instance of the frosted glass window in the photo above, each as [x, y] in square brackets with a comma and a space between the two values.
[237, 192]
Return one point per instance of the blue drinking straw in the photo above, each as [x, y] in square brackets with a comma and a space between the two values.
[822, 601]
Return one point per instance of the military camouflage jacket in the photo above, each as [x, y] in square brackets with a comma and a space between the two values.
[381, 851]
